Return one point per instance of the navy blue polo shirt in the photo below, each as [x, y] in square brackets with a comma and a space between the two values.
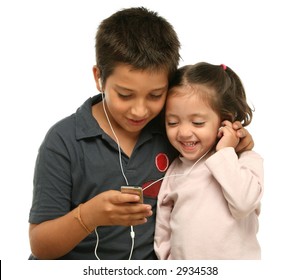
[78, 160]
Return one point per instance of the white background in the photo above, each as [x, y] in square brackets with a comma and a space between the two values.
[46, 59]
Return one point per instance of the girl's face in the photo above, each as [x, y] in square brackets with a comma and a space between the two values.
[192, 126]
[134, 97]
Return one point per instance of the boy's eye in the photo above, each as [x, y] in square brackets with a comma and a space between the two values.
[124, 96]
[155, 96]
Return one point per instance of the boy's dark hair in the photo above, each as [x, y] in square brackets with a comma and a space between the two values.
[229, 100]
[137, 37]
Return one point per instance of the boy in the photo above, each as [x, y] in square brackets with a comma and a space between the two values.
[78, 211]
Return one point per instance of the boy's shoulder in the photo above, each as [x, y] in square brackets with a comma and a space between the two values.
[79, 124]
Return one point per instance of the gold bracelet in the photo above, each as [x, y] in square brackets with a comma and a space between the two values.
[78, 217]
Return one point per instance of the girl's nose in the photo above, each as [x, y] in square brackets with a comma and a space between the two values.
[184, 131]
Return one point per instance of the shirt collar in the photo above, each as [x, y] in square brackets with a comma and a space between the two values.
[86, 124]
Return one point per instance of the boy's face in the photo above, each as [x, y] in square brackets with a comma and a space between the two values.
[192, 126]
[134, 97]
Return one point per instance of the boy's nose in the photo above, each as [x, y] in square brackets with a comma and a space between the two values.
[139, 110]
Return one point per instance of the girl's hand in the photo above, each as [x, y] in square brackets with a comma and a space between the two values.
[228, 136]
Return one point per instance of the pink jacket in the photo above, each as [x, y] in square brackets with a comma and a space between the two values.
[211, 213]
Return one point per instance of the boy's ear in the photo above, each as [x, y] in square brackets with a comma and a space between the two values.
[97, 77]
[96, 72]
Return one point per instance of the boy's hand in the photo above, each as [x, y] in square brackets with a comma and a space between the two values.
[246, 142]
[114, 208]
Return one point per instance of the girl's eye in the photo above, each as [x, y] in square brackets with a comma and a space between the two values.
[198, 123]
[172, 123]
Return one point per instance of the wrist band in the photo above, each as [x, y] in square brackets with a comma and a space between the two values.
[78, 217]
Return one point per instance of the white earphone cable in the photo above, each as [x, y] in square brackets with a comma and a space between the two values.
[132, 233]
[175, 175]
[117, 140]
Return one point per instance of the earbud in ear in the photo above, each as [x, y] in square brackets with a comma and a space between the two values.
[100, 84]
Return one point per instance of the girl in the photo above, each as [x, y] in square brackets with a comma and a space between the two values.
[209, 201]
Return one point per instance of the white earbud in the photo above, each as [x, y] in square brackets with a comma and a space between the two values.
[100, 84]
